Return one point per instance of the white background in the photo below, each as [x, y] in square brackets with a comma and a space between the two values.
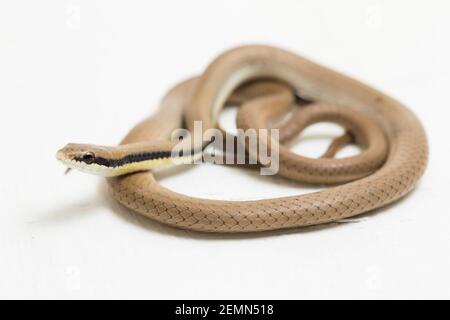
[87, 71]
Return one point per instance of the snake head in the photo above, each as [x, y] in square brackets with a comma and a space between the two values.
[87, 158]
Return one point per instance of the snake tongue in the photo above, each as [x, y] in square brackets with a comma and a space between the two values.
[67, 171]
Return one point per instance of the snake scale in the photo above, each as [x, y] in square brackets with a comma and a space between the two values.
[267, 82]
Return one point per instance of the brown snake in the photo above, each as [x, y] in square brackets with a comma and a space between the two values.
[394, 144]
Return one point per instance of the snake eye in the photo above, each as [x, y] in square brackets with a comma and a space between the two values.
[88, 157]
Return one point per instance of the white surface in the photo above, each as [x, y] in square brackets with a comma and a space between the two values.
[87, 71]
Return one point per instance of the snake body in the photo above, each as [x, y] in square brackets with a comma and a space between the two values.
[394, 144]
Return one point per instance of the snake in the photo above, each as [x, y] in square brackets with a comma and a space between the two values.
[266, 83]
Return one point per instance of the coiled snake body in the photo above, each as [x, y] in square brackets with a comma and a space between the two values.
[394, 145]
